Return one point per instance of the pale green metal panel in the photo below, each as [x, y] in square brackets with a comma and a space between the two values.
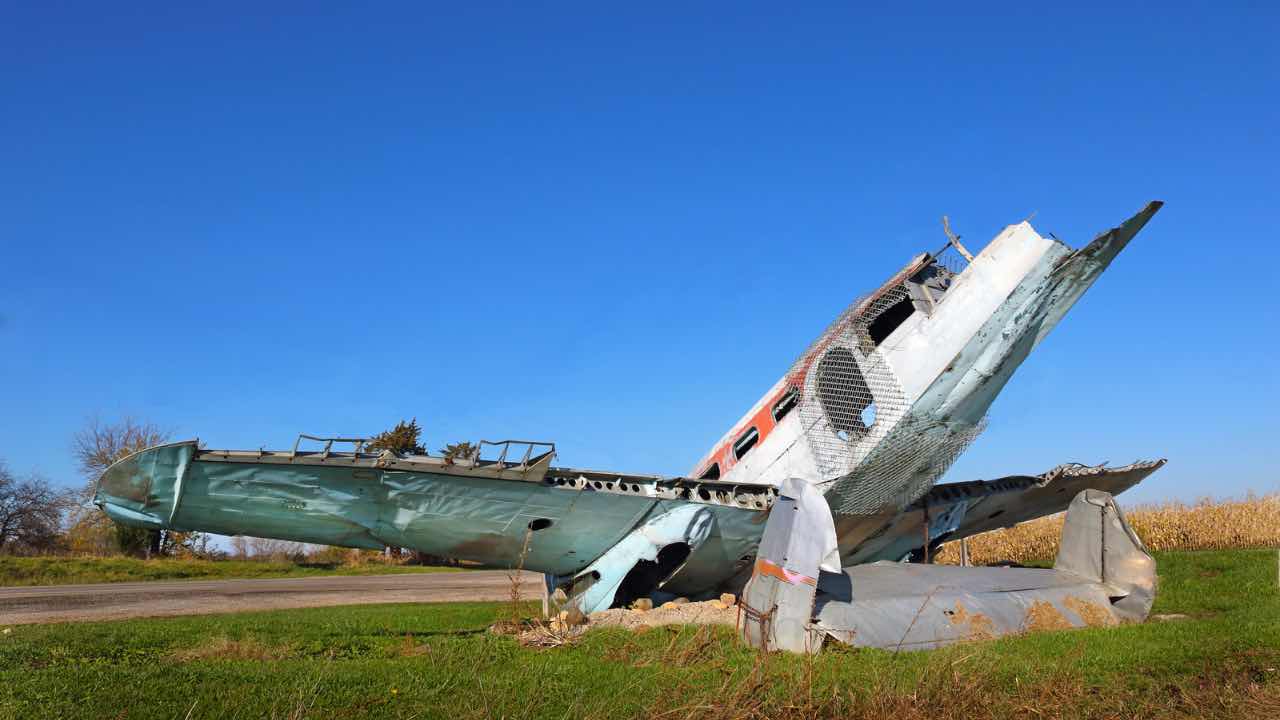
[142, 488]
[733, 542]
[487, 520]
[470, 518]
[305, 503]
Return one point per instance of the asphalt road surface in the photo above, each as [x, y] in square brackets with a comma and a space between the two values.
[114, 601]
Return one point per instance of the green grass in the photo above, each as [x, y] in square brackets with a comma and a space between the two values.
[20, 571]
[439, 661]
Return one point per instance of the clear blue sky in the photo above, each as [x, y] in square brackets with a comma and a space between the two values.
[615, 229]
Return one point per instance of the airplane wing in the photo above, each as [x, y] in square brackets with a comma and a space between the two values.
[1051, 494]
[952, 511]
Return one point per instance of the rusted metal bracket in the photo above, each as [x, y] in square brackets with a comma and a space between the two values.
[954, 240]
[328, 444]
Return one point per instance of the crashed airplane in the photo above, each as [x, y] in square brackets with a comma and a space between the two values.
[820, 506]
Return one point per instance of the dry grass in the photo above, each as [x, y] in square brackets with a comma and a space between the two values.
[956, 685]
[224, 648]
[1253, 522]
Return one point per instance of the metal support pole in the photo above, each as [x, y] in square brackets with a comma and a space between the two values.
[546, 599]
[925, 509]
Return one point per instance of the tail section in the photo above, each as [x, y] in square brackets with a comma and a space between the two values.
[798, 544]
[1099, 545]
[793, 602]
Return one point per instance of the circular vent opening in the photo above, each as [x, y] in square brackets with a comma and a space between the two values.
[843, 393]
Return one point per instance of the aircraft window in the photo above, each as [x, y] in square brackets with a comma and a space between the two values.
[745, 443]
[889, 320]
[843, 393]
[712, 473]
[784, 406]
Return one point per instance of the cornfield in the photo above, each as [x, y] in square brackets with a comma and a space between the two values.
[1253, 522]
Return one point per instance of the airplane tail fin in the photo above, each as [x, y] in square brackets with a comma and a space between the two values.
[1098, 544]
[798, 545]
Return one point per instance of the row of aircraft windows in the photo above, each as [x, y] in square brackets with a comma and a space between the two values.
[879, 329]
[751, 437]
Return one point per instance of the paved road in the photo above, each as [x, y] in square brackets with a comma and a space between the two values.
[112, 601]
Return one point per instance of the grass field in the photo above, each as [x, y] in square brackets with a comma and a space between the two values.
[439, 661]
[15, 571]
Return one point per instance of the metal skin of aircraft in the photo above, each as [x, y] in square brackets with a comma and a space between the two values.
[850, 442]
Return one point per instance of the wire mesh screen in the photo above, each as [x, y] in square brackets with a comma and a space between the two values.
[901, 469]
[850, 397]
[952, 260]
[854, 412]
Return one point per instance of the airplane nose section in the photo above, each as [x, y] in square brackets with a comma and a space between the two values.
[1106, 246]
[966, 390]
[143, 489]
[1082, 268]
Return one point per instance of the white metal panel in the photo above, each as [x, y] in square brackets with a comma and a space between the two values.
[920, 349]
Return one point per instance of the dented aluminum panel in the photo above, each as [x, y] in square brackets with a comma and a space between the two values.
[1103, 576]
[571, 517]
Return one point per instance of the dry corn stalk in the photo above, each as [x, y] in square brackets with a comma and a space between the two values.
[1253, 522]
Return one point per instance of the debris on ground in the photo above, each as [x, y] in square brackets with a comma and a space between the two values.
[566, 626]
[710, 612]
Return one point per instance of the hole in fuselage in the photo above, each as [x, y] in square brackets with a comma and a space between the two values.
[539, 524]
[645, 576]
[843, 393]
[889, 320]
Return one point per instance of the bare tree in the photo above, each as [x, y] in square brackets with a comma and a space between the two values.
[96, 447]
[247, 547]
[31, 512]
[277, 550]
